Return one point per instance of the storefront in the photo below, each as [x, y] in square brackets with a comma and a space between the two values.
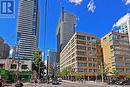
[24, 76]
[4, 74]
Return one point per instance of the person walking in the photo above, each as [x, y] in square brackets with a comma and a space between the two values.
[35, 81]
[19, 84]
[0, 82]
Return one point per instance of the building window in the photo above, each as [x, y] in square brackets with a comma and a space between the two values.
[92, 70]
[117, 58]
[73, 55]
[127, 59]
[128, 70]
[81, 64]
[81, 42]
[116, 64]
[124, 38]
[105, 39]
[112, 47]
[81, 53]
[91, 48]
[82, 58]
[111, 36]
[120, 69]
[91, 59]
[80, 69]
[81, 47]
[13, 66]
[88, 38]
[91, 53]
[94, 49]
[92, 64]
[85, 70]
[24, 66]
[127, 64]
[81, 37]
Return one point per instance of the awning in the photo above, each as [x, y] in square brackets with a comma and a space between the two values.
[4, 72]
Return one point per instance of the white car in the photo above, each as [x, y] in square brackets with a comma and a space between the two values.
[60, 79]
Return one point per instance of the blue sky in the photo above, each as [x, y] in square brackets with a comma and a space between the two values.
[98, 21]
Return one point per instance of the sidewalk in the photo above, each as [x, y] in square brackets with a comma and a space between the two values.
[13, 85]
[87, 82]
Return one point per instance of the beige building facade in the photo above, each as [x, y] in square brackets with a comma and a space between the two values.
[82, 52]
[116, 53]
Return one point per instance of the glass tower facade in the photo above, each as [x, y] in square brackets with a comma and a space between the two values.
[27, 29]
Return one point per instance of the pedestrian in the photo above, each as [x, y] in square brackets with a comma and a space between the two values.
[35, 81]
[0, 82]
[19, 84]
[82, 80]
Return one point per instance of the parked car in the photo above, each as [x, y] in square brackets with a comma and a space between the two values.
[55, 82]
[123, 82]
[60, 79]
[113, 81]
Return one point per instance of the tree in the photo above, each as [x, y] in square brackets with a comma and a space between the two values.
[103, 70]
[77, 75]
[115, 72]
[69, 71]
[128, 76]
[36, 60]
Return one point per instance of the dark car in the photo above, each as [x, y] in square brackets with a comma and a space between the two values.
[123, 82]
[55, 82]
[113, 81]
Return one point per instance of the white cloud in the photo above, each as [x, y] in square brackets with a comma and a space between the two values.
[126, 2]
[122, 20]
[91, 6]
[77, 2]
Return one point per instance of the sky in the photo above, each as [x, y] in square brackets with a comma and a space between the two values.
[96, 17]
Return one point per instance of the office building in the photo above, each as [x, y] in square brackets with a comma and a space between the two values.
[125, 26]
[82, 52]
[116, 53]
[27, 29]
[52, 62]
[4, 53]
[4, 57]
[65, 30]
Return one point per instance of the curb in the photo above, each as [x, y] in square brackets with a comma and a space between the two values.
[88, 82]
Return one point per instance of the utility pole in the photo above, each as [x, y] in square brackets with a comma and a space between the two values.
[18, 62]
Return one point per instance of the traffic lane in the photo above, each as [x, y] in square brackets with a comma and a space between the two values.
[118, 86]
[67, 84]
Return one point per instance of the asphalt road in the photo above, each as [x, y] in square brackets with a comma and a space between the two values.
[68, 84]
[71, 84]
[64, 84]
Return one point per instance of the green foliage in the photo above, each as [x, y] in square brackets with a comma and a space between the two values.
[36, 60]
[103, 69]
[77, 75]
[127, 75]
[115, 72]
[68, 71]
